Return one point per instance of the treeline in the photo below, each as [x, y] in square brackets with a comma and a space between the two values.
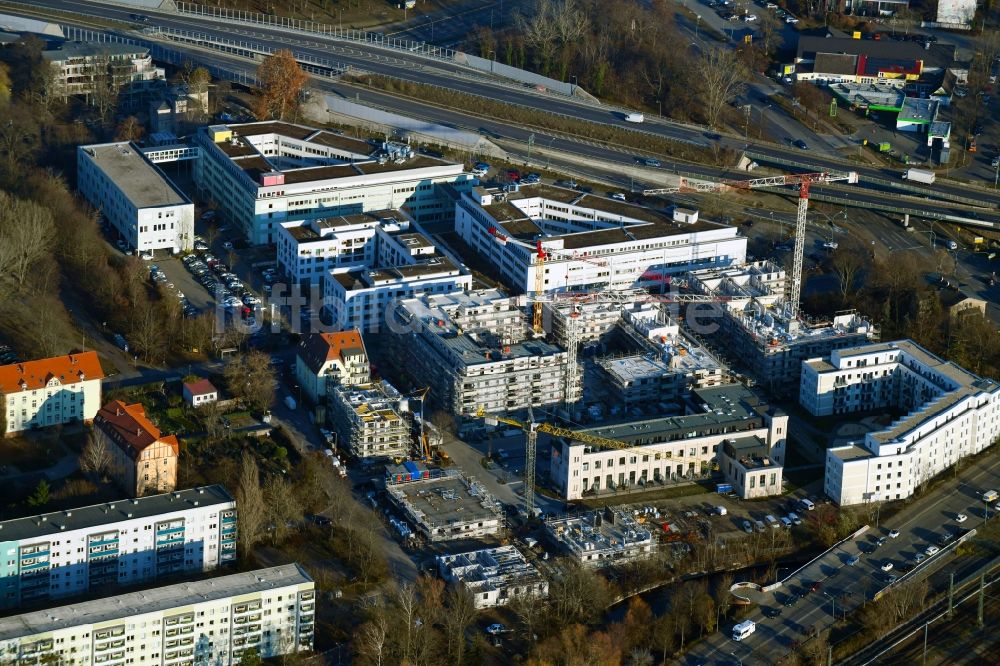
[630, 53]
[69, 262]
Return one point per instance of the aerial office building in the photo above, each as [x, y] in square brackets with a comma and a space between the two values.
[264, 174]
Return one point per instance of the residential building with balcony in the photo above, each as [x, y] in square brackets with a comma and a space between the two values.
[947, 413]
[73, 552]
[269, 612]
[325, 360]
[80, 68]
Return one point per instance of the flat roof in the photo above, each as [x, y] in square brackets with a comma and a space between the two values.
[272, 127]
[919, 110]
[158, 599]
[442, 501]
[851, 452]
[346, 143]
[308, 174]
[52, 524]
[138, 179]
[68, 50]
[417, 162]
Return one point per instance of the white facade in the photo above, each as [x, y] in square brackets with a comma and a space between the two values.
[207, 622]
[79, 67]
[71, 552]
[949, 414]
[135, 197]
[264, 174]
[405, 264]
[591, 242]
[667, 450]
[470, 348]
[493, 576]
[602, 538]
[51, 391]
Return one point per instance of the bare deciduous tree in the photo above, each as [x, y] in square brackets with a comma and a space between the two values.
[461, 613]
[250, 500]
[27, 233]
[95, 458]
[282, 508]
[250, 377]
[722, 75]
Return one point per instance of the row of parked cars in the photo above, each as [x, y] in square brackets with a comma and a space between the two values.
[160, 279]
[216, 277]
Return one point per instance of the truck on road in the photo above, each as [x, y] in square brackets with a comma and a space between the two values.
[920, 176]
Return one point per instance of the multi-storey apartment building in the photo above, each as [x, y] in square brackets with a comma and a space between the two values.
[81, 67]
[143, 459]
[72, 552]
[484, 362]
[371, 420]
[264, 174]
[949, 413]
[324, 360]
[135, 197]
[51, 391]
[269, 612]
[669, 449]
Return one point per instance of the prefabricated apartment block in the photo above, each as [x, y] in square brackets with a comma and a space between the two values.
[590, 242]
[371, 420]
[602, 537]
[215, 621]
[948, 414]
[267, 173]
[135, 197]
[447, 506]
[471, 350]
[71, 552]
[494, 576]
[667, 449]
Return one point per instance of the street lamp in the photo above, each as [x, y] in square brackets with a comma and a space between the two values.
[833, 604]
[697, 24]
[492, 56]
[572, 90]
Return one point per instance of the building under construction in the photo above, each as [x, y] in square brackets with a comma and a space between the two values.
[602, 537]
[471, 349]
[371, 420]
[447, 506]
[757, 330]
[494, 576]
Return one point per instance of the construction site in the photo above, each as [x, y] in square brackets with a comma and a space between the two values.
[371, 420]
[494, 576]
[446, 506]
[603, 537]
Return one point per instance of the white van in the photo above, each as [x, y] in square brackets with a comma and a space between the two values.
[807, 505]
[990, 495]
[721, 510]
[772, 521]
[634, 117]
[744, 629]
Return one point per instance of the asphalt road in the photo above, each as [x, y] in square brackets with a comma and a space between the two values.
[434, 72]
[843, 586]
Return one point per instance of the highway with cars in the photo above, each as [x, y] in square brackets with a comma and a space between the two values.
[421, 69]
[855, 571]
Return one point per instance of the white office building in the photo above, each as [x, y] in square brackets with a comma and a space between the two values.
[590, 242]
[51, 391]
[404, 264]
[135, 197]
[666, 450]
[216, 621]
[493, 576]
[264, 174]
[72, 552]
[948, 414]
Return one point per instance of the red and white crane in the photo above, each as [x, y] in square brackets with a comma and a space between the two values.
[803, 180]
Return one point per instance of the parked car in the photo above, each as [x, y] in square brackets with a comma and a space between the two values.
[201, 246]
[886, 566]
[893, 534]
[794, 517]
[747, 527]
[961, 518]
[618, 196]
[931, 550]
[800, 144]
[919, 557]
[853, 560]
[228, 245]
[531, 179]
